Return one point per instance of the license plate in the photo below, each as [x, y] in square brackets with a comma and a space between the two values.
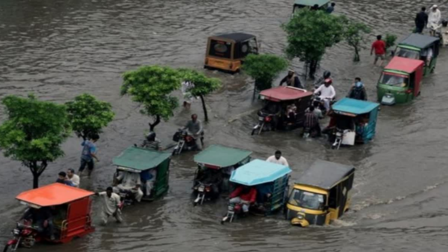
[261, 118]
[201, 189]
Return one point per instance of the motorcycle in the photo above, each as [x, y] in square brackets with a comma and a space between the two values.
[264, 120]
[204, 192]
[233, 210]
[25, 235]
[338, 139]
[184, 141]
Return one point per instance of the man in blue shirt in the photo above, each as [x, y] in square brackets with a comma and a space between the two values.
[330, 8]
[88, 154]
[62, 178]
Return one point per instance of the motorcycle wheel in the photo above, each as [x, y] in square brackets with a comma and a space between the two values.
[7, 248]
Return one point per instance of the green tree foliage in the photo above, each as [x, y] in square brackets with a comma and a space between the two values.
[88, 115]
[203, 85]
[390, 40]
[151, 86]
[263, 68]
[354, 35]
[309, 33]
[33, 132]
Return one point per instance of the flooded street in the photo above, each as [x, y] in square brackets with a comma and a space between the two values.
[58, 49]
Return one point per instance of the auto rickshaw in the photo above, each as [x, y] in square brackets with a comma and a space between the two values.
[400, 81]
[299, 4]
[269, 182]
[68, 207]
[215, 165]
[147, 168]
[284, 109]
[417, 46]
[227, 51]
[322, 194]
[352, 121]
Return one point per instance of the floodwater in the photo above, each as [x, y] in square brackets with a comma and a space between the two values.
[58, 49]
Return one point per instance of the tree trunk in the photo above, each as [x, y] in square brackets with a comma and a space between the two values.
[154, 124]
[313, 67]
[36, 170]
[357, 58]
[204, 108]
[35, 181]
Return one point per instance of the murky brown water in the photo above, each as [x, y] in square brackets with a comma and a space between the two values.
[60, 48]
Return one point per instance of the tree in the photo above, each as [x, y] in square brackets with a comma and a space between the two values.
[151, 86]
[354, 34]
[390, 40]
[309, 33]
[202, 85]
[263, 68]
[87, 115]
[33, 132]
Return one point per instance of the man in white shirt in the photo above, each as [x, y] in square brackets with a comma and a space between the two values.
[327, 93]
[278, 159]
[130, 181]
[73, 177]
[434, 18]
[111, 205]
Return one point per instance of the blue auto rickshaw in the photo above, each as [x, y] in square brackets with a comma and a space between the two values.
[352, 121]
[268, 180]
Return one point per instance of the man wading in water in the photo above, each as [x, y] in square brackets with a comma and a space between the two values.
[291, 80]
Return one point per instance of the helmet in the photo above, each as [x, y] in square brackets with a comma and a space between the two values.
[328, 81]
[327, 74]
[151, 136]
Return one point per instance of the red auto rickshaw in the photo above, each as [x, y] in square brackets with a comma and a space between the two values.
[67, 207]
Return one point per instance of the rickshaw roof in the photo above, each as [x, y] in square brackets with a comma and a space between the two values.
[285, 93]
[237, 37]
[258, 172]
[53, 195]
[404, 64]
[140, 158]
[354, 106]
[419, 40]
[221, 156]
[324, 174]
[311, 2]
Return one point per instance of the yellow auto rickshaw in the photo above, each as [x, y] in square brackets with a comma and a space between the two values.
[226, 51]
[321, 195]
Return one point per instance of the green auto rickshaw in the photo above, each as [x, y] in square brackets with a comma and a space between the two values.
[142, 174]
[299, 4]
[400, 81]
[420, 47]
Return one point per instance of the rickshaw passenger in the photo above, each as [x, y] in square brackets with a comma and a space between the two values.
[213, 177]
[42, 218]
[148, 177]
[130, 181]
[427, 55]
[264, 192]
[243, 195]
[344, 122]
[291, 113]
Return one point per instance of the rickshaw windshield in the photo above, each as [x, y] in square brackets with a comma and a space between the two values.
[407, 53]
[221, 49]
[396, 80]
[307, 200]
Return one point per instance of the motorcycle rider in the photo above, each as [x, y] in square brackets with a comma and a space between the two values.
[291, 80]
[195, 129]
[327, 93]
[243, 195]
[129, 181]
[358, 91]
[321, 80]
[42, 218]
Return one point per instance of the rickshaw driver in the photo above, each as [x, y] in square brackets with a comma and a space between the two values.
[327, 93]
[111, 205]
[151, 142]
[243, 195]
[42, 218]
[130, 181]
[195, 129]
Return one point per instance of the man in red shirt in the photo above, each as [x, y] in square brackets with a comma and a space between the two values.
[243, 195]
[380, 49]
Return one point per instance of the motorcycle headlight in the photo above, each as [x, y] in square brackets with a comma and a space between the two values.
[16, 231]
[300, 217]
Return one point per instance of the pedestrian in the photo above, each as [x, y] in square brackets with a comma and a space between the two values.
[330, 8]
[111, 205]
[278, 159]
[186, 87]
[88, 154]
[291, 79]
[62, 178]
[421, 20]
[73, 177]
[434, 19]
[379, 46]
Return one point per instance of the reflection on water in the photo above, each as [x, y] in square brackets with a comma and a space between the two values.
[58, 49]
